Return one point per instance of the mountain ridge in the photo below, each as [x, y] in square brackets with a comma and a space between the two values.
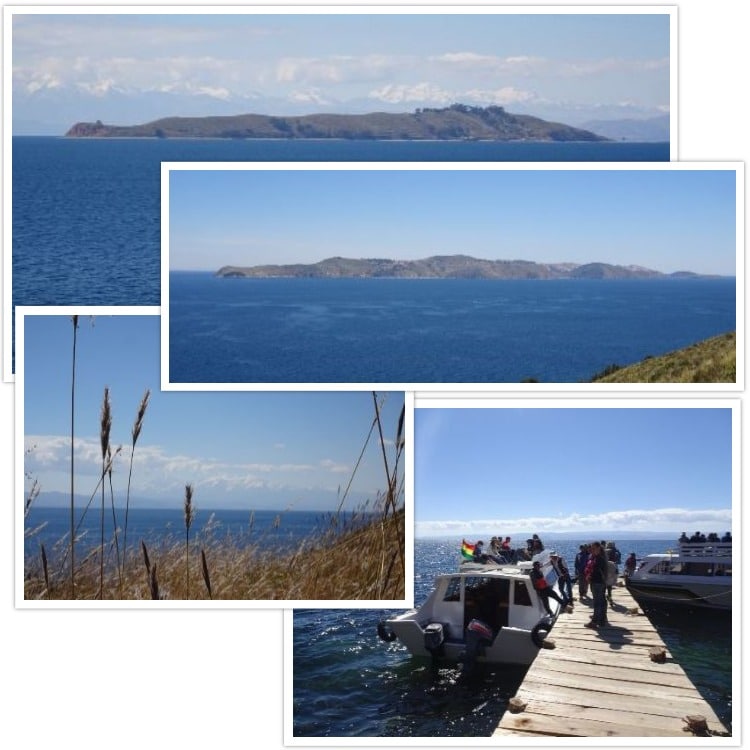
[457, 122]
[446, 267]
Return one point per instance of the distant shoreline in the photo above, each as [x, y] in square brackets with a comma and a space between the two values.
[456, 266]
[457, 122]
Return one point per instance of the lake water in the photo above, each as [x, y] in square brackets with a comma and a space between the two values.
[165, 528]
[228, 330]
[348, 683]
[86, 212]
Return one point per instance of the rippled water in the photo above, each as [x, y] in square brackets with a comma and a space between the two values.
[86, 211]
[431, 330]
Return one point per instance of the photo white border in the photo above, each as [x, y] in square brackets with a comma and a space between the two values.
[19, 500]
[735, 740]
[303, 9]
[527, 388]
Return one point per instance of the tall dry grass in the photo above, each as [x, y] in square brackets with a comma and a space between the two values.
[360, 561]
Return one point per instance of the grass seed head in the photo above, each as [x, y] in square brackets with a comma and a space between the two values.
[189, 512]
[106, 423]
[138, 424]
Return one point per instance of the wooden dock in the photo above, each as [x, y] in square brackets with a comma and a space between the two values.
[603, 683]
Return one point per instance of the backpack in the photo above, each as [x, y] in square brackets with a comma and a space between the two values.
[588, 571]
[611, 578]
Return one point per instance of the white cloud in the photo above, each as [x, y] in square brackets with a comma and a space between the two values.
[502, 96]
[420, 92]
[40, 81]
[97, 88]
[492, 64]
[430, 93]
[335, 467]
[660, 519]
[311, 96]
[158, 472]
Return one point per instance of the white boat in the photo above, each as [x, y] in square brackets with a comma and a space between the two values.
[697, 574]
[484, 612]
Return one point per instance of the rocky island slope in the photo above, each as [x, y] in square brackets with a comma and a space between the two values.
[458, 122]
[445, 267]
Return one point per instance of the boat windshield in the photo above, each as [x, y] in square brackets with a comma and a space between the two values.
[690, 568]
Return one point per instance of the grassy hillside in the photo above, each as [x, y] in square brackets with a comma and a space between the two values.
[710, 361]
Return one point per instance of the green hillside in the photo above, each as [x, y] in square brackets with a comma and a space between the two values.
[710, 361]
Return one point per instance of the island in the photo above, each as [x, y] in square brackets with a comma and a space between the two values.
[457, 122]
[446, 267]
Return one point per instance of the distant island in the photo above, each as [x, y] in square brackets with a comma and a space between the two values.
[457, 122]
[446, 267]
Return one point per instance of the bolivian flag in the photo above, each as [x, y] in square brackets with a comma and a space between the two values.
[467, 550]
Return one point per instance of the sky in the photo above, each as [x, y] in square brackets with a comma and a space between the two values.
[667, 219]
[131, 68]
[254, 451]
[514, 471]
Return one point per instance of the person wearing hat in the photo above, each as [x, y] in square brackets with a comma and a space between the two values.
[542, 588]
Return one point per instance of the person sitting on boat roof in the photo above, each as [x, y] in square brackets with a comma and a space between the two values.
[683, 538]
[536, 544]
[505, 546]
[697, 538]
[495, 546]
[727, 538]
[482, 557]
[712, 537]
[542, 588]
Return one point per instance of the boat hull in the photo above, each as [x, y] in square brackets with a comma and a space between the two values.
[510, 646]
[683, 594]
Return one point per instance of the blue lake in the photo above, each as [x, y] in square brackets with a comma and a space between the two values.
[228, 330]
[86, 212]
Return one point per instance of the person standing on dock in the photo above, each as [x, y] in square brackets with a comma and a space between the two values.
[580, 567]
[597, 581]
[630, 564]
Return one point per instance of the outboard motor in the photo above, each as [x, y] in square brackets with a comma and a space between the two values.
[478, 636]
[434, 638]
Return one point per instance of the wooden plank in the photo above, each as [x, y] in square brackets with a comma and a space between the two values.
[632, 673]
[602, 683]
[656, 703]
[573, 711]
[623, 687]
[561, 726]
[573, 656]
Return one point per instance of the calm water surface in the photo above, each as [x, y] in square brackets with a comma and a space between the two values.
[227, 330]
[86, 212]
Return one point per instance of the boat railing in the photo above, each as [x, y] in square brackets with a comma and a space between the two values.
[706, 549]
